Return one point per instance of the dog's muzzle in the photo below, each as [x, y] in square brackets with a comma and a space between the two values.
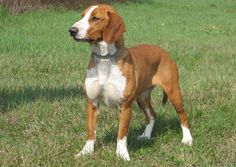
[74, 33]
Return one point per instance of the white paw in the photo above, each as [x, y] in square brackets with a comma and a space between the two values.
[123, 153]
[121, 150]
[144, 136]
[187, 138]
[148, 131]
[187, 141]
[88, 149]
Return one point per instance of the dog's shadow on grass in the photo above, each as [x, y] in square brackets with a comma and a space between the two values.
[162, 125]
[11, 98]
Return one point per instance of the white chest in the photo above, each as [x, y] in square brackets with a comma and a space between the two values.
[107, 81]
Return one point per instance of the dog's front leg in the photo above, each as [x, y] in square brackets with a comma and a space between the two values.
[92, 113]
[125, 116]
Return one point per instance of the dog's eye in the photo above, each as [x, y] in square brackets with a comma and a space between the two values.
[94, 18]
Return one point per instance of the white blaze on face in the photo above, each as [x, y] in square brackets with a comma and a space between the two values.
[83, 24]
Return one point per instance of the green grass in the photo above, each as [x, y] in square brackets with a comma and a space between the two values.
[42, 106]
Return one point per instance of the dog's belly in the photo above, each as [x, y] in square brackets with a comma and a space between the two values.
[107, 82]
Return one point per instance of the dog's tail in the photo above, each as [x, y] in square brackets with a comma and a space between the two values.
[165, 98]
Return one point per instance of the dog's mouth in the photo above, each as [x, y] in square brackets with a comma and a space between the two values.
[84, 40]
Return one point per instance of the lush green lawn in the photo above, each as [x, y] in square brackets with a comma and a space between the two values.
[42, 106]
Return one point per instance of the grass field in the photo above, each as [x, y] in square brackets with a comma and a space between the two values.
[42, 106]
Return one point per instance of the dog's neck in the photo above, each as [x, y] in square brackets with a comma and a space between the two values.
[104, 50]
[105, 57]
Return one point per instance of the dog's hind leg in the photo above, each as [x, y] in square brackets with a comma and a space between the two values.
[169, 81]
[144, 103]
[175, 98]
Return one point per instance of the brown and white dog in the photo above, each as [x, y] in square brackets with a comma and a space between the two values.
[121, 76]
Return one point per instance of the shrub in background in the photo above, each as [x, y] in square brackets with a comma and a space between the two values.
[20, 6]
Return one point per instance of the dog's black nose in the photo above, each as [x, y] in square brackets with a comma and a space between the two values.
[73, 31]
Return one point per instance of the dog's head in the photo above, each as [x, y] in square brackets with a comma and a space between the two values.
[100, 22]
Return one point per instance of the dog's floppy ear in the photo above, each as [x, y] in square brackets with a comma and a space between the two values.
[114, 29]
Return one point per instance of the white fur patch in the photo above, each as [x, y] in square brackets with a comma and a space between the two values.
[102, 48]
[105, 80]
[148, 131]
[83, 24]
[114, 87]
[109, 83]
[88, 148]
[149, 127]
[121, 150]
[92, 86]
[187, 138]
